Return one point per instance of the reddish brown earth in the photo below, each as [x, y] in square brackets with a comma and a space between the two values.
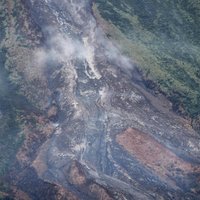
[77, 176]
[35, 135]
[99, 192]
[155, 156]
[75, 157]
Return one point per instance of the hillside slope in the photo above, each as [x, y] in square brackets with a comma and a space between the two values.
[73, 123]
[163, 38]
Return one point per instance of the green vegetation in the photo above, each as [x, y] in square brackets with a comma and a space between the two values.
[163, 38]
[10, 137]
[15, 44]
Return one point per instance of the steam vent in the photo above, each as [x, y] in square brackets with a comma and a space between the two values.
[99, 100]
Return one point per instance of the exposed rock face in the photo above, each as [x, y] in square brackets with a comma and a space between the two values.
[87, 98]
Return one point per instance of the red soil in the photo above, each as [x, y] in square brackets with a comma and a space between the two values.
[153, 155]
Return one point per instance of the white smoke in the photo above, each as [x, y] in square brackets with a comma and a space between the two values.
[62, 48]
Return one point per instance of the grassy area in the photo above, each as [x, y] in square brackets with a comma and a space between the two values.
[10, 137]
[17, 39]
[163, 38]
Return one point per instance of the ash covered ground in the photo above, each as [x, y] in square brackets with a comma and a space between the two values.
[92, 130]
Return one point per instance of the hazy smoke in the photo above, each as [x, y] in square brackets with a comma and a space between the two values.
[62, 48]
[59, 49]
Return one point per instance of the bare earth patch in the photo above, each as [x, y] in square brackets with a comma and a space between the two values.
[77, 175]
[100, 193]
[149, 152]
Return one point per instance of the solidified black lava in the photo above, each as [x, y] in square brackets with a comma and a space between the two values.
[92, 98]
